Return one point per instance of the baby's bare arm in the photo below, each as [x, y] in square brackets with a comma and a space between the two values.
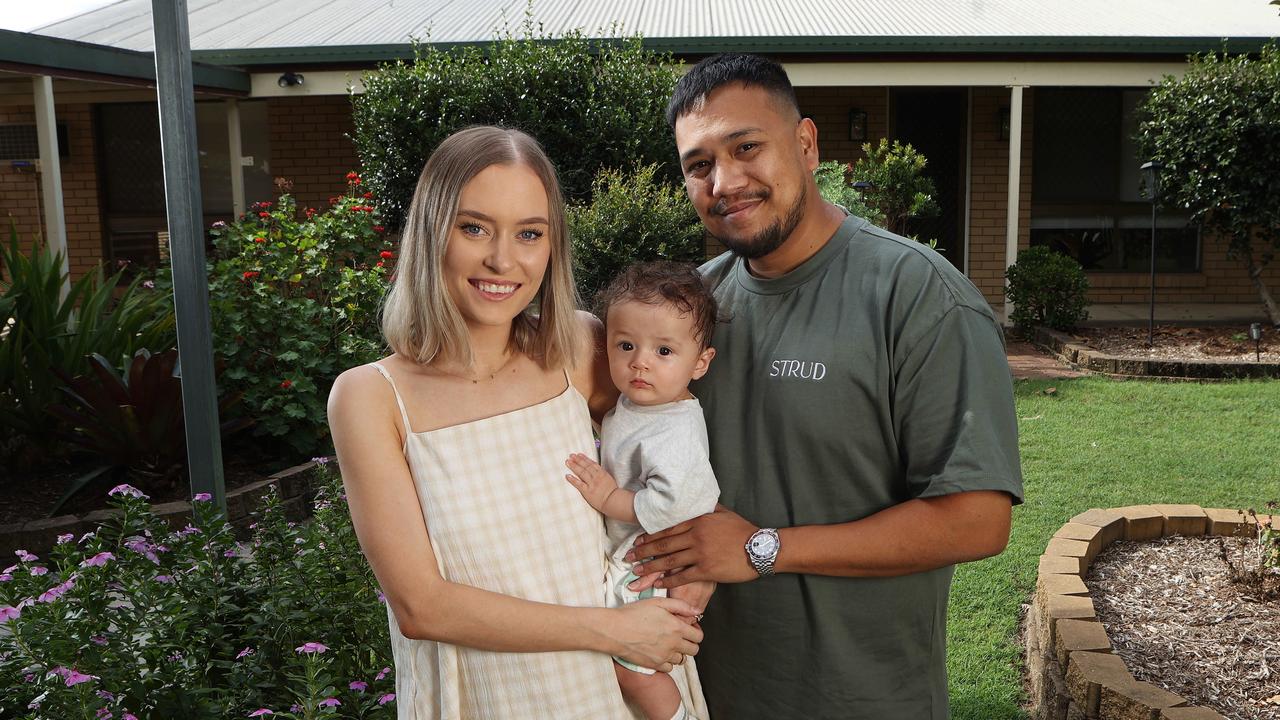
[600, 489]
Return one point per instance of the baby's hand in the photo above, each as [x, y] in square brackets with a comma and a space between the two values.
[592, 481]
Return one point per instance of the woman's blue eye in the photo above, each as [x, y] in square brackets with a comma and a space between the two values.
[530, 235]
[470, 228]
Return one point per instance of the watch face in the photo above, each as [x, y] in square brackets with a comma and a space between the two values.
[764, 545]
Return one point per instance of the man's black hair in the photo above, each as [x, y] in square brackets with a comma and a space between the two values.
[724, 69]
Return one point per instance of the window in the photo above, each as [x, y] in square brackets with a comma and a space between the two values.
[1085, 194]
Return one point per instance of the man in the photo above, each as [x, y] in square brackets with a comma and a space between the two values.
[861, 424]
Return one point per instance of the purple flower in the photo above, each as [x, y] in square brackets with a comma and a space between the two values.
[66, 538]
[320, 460]
[56, 591]
[229, 553]
[86, 536]
[149, 284]
[244, 653]
[359, 685]
[126, 489]
[9, 569]
[329, 702]
[143, 548]
[97, 560]
[38, 570]
[295, 708]
[75, 677]
[128, 716]
[381, 598]
[260, 712]
[103, 714]
[309, 648]
[386, 698]
[164, 579]
[105, 695]
[25, 556]
[29, 677]
[98, 640]
[382, 673]
[188, 530]
[218, 226]
[9, 612]
[5, 577]
[202, 497]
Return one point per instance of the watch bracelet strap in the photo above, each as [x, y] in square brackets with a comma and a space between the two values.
[763, 566]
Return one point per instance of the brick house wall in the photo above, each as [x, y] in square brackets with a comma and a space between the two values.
[21, 201]
[311, 147]
[989, 178]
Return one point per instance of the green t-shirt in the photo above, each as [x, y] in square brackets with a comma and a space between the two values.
[871, 374]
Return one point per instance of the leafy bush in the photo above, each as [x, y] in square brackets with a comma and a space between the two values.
[294, 302]
[898, 190]
[1216, 131]
[632, 217]
[140, 620]
[1047, 289]
[44, 336]
[833, 184]
[591, 104]
[132, 422]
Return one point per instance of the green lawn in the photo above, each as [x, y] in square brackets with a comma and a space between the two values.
[1102, 443]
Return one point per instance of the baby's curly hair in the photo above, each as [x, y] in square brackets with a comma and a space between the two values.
[663, 282]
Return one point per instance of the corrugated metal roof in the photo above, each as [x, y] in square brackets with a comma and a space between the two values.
[696, 25]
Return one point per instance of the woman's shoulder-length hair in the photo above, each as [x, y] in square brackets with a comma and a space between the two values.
[419, 319]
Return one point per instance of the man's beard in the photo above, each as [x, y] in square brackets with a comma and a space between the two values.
[770, 238]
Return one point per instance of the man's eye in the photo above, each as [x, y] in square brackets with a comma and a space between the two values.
[664, 350]
[748, 147]
[698, 167]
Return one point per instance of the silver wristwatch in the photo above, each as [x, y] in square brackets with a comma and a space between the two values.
[762, 550]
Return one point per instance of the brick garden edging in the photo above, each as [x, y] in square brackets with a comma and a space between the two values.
[294, 485]
[1073, 673]
[1086, 358]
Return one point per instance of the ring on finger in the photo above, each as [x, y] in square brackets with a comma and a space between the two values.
[698, 617]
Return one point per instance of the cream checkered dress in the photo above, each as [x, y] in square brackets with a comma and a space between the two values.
[502, 517]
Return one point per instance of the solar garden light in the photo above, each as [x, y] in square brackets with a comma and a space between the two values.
[1255, 334]
[1151, 184]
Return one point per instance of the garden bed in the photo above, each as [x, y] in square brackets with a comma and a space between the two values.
[1178, 352]
[1072, 669]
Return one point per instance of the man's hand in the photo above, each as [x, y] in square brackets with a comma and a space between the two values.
[592, 481]
[708, 547]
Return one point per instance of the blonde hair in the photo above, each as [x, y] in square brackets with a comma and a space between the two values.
[419, 319]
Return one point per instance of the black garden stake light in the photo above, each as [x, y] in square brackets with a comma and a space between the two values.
[1255, 334]
[1151, 183]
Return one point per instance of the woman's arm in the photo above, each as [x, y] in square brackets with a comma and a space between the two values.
[591, 374]
[393, 535]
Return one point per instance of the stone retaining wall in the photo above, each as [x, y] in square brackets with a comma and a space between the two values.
[1073, 673]
[294, 485]
[1062, 346]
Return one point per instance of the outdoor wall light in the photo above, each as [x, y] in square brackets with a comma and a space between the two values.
[863, 186]
[290, 79]
[858, 125]
[1002, 120]
[1255, 334]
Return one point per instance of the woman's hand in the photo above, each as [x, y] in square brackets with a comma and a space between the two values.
[655, 633]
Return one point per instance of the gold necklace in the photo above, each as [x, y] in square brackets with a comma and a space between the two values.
[475, 378]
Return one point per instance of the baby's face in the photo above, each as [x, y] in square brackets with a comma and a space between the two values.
[652, 352]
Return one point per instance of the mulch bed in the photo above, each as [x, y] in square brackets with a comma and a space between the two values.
[1172, 342]
[1178, 621]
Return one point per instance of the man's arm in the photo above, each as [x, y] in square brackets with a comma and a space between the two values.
[910, 537]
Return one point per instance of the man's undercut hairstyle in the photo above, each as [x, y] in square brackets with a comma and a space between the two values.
[663, 282]
[717, 71]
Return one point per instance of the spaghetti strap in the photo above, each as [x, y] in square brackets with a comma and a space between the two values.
[404, 415]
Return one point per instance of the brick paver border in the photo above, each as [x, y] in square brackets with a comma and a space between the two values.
[1076, 355]
[1073, 673]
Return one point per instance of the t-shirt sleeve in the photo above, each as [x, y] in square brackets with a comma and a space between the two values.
[953, 409]
[679, 482]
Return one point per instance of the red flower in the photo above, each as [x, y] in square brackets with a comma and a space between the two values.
[264, 214]
[286, 384]
[378, 228]
[250, 274]
[380, 263]
[386, 255]
[259, 240]
[334, 200]
[353, 175]
[367, 196]
[310, 213]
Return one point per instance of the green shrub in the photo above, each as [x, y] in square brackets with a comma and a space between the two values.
[294, 301]
[590, 104]
[1047, 289]
[832, 177]
[142, 619]
[899, 188]
[632, 217]
[44, 336]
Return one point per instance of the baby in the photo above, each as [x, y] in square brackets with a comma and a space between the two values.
[656, 473]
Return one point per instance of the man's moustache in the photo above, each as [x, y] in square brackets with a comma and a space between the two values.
[724, 204]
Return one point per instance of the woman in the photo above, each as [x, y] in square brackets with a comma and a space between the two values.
[452, 454]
